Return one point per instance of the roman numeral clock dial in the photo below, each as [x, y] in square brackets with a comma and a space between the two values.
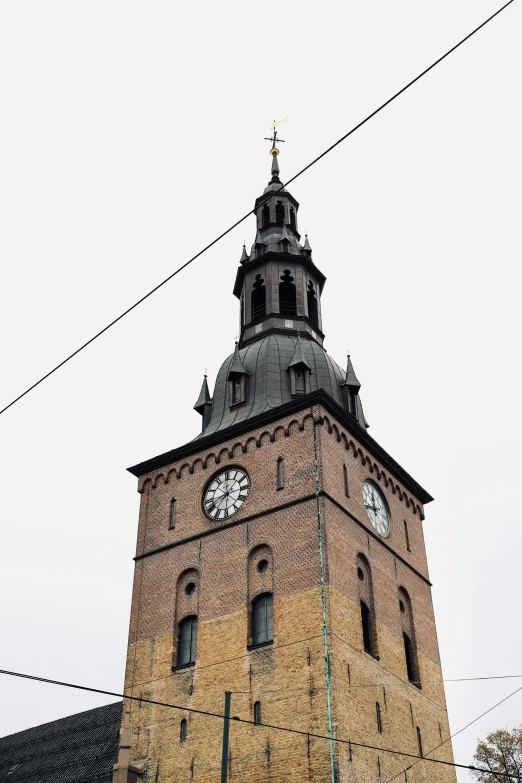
[225, 494]
[376, 508]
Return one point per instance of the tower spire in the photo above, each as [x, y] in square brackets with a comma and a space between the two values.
[274, 151]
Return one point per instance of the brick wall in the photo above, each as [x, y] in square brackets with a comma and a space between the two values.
[287, 677]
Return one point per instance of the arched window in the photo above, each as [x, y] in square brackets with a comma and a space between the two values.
[258, 299]
[408, 652]
[378, 716]
[280, 473]
[262, 619]
[287, 304]
[265, 215]
[408, 635]
[365, 588]
[183, 730]
[292, 217]
[366, 620]
[188, 629]
[312, 305]
[280, 213]
[257, 713]
[419, 743]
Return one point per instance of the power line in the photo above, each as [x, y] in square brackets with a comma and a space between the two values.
[386, 684]
[252, 723]
[460, 732]
[242, 219]
[229, 660]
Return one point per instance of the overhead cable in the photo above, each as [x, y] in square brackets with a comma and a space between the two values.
[260, 202]
[252, 723]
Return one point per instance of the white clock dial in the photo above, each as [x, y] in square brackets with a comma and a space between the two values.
[225, 494]
[376, 508]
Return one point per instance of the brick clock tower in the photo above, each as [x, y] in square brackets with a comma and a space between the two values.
[280, 556]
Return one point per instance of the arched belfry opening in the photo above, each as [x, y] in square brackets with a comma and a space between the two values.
[287, 295]
[313, 313]
[280, 213]
[292, 218]
[265, 215]
[258, 298]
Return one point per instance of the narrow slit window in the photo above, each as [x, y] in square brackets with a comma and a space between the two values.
[409, 657]
[257, 713]
[378, 716]
[172, 517]
[366, 627]
[183, 730]
[406, 535]
[280, 473]
[346, 486]
[419, 743]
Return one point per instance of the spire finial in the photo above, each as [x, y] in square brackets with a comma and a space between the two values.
[274, 151]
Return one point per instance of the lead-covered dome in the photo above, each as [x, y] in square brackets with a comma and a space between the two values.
[271, 372]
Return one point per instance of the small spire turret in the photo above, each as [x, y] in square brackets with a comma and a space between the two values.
[244, 255]
[350, 378]
[204, 404]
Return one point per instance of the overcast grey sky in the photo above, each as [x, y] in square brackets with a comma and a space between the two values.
[132, 134]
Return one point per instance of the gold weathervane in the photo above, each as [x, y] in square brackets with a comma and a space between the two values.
[274, 139]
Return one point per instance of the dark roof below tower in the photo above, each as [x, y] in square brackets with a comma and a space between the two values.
[266, 362]
[81, 748]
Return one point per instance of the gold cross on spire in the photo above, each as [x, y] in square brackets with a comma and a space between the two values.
[273, 138]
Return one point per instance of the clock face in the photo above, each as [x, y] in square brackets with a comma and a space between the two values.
[225, 494]
[376, 508]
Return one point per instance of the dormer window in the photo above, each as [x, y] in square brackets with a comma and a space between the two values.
[300, 383]
[280, 213]
[237, 389]
[299, 380]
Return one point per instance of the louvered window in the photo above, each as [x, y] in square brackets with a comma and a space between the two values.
[262, 619]
[188, 629]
